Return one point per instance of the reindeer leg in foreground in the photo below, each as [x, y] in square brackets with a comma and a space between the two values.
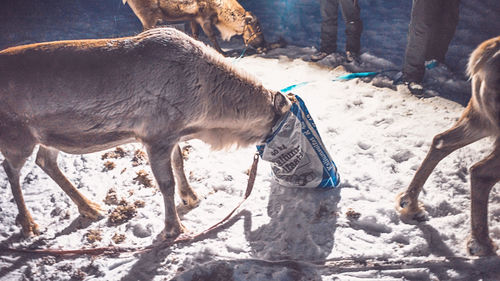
[463, 133]
[46, 159]
[484, 175]
[188, 195]
[160, 155]
[14, 161]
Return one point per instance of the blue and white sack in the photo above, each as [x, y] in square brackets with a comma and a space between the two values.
[298, 156]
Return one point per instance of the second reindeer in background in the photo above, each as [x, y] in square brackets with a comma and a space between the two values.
[229, 17]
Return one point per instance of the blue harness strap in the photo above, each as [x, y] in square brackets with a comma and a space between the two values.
[242, 54]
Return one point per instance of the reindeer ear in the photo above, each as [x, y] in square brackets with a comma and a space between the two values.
[281, 103]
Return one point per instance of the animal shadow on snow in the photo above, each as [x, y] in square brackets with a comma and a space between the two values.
[23, 258]
[150, 264]
[485, 268]
[301, 227]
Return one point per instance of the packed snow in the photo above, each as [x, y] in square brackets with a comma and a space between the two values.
[376, 133]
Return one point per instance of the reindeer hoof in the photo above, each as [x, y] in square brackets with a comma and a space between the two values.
[409, 211]
[477, 248]
[28, 227]
[170, 232]
[30, 230]
[91, 211]
[403, 200]
[412, 217]
[190, 200]
[421, 216]
[261, 50]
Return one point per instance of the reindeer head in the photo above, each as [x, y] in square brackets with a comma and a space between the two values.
[252, 33]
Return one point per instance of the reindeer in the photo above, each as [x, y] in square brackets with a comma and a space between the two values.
[481, 118]
[157, 88]
[228, 16]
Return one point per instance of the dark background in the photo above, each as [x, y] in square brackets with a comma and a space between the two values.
[298, 21]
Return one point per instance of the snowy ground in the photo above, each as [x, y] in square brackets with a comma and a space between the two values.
[377, 136]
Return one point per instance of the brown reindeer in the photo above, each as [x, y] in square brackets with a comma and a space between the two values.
[158, 88]
[228, 16]
[481, 118]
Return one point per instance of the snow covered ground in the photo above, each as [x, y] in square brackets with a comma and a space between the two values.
[377, 137]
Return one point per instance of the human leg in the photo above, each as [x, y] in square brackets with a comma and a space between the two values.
[443, 32]
[329, 17]
[423, 15]
[354, 25]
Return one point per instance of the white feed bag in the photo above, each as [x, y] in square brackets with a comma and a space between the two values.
[298, 156]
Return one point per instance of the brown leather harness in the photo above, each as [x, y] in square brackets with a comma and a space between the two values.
[253, 33]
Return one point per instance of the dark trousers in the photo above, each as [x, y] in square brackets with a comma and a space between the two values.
[432, 26]
[354, 26]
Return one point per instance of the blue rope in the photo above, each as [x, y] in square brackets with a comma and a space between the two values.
[242, 54]
[344, 77]
[355, 75]
[289, 88]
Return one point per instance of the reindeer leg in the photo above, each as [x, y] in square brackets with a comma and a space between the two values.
[148, 13]
[195, 30]
[484, 175]
[46, 159]
[188, 195]
[17, 144]
[14, 161]
[160, 155]
[207, 28]
[461, 134]
[152, 20]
